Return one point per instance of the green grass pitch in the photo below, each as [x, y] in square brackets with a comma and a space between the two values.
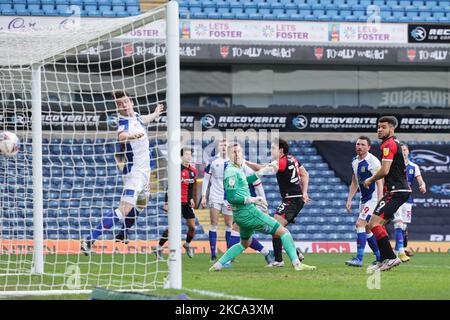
[427, 276]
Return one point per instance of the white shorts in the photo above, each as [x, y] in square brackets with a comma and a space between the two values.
[135, 183]
[223, 207]
[404, 213]
[366, 209]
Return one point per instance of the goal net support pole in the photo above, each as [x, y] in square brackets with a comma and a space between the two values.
[38, 195]
[173, 140]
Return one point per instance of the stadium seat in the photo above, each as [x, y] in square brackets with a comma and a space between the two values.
[34, 5]
[118, 6]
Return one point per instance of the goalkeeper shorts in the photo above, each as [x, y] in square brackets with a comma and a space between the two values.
[250, 220]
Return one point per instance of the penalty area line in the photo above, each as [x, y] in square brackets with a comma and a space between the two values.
[219, 294]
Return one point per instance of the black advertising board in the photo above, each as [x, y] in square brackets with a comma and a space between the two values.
[235, 118]
[429, 33]
[131, 52]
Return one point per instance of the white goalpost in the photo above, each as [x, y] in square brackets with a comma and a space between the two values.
[56, 95]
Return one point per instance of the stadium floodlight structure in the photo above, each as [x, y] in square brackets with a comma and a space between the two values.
[56, 89]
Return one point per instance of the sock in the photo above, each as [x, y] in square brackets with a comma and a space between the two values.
[256, 245]
[360, 243]
[399, 238]
[277, 248]
[405, 236]
[164, 238]
[107, 222]
[213, 240]
[227, 236]
[129, 221]
[235, 237]
[190, 235]
[384, 245]
[372, 241]
[289, 246]
[231, 253]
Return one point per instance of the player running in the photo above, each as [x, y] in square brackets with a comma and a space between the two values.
[188, 180]
[364, 165]
[132, 133]
[396, 191]
[403, 215]
[247, 216]
[293, 181]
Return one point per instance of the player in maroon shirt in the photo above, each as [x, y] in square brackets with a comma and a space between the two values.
[293, 181]
[396, 191]
[188, 180]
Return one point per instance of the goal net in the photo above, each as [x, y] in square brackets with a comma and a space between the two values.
[56, 90]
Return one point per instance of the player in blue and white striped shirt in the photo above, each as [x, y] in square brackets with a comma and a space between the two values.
[364, 165]
[132, 133]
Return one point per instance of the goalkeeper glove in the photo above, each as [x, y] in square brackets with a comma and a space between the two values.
[259, 201]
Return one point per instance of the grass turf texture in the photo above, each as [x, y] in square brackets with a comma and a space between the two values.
[426, 276]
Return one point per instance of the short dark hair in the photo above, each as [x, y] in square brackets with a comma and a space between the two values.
[120, 94]
[282, 144]
[389, 119]
[404, 145]
[187, 149]
[365, 138]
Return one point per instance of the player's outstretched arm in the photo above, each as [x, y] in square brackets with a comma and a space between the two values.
[254, 166]
[125, 136]
[151, 117]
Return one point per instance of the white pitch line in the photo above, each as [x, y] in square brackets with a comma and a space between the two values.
[219, 294]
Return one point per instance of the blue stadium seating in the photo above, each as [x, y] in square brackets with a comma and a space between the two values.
[308, 10]
[107, 8]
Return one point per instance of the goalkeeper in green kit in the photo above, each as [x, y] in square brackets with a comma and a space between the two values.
[247, 216]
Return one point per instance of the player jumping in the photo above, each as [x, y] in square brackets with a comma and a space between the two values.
[364, 165]
[133, 134]
[403, 215]
[247, 216]
[396, 191]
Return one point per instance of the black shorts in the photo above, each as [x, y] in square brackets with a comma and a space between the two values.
[290, 208]
[187, 211]
[389, 204]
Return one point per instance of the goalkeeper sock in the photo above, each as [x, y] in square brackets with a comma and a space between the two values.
[399, 238]
[277, 248]
[164, 238]
[232, 253]
[235, 237]
[372, 241]
[227, 236]
[108, 222]
[289, 246]
[212, 241]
